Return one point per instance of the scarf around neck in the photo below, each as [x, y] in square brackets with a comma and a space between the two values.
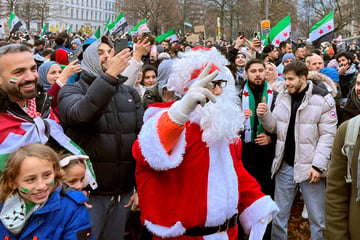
[15, 213]
[248, 102]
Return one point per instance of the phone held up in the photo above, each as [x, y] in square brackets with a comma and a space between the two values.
[71, 57]
[120, 44]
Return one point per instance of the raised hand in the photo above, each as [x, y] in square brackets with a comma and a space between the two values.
[198, 93]
[262, 108]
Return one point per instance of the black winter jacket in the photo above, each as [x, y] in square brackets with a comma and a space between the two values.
[103, 116]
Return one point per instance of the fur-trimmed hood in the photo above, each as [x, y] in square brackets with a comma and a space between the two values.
[321, 80]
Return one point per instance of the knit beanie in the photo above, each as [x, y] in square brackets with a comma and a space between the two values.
[288, 56]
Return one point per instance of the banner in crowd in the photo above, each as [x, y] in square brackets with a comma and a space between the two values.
[170, 35]
[281, 31]
[119, 23]
[14, 23]
[141, 25]
[323, 31]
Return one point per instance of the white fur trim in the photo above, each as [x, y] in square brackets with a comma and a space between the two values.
[152, 149]
[151, 111]
[183, 67]
[223, 193]
[261, 211]
[174, 231]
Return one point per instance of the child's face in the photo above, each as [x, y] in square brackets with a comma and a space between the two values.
[35, 181]
[74, 176]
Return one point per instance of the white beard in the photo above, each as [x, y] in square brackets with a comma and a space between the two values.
[220, 121]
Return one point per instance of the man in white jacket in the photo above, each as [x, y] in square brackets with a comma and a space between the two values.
[304, 119]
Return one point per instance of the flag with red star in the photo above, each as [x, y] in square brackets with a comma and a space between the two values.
[119, 23]
[281, 31]
[170, 35]
[323, 31]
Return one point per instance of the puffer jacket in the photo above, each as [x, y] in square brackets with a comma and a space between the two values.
[103, 117]
[64, 216]
[315, 126]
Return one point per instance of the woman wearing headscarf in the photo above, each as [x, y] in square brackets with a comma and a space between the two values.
[52, 78]
[271, 77]
[76, 46]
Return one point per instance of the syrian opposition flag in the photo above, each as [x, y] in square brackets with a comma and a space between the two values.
[106, 30]
[118, 24]
[43, 31]
[141, 25]
[69, 29]
[96, 34]
[170, 35]
[187, 24]
[14, 23]
[264, 39]
[17, 132]
[323, 31]
[281, 31]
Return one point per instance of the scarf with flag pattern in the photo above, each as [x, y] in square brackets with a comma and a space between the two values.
[248, 102]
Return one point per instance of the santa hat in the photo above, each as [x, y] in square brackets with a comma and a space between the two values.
[186, 69]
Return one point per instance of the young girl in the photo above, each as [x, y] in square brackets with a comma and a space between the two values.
[75, 173]
[73, 169]
[33, 204]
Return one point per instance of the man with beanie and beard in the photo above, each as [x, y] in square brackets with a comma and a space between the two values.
[189, 175]
[304, 119]
[259, 146]
[104, 116]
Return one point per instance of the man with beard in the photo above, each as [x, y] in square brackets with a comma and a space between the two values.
[304, 119]
[347, 71]
[25, 113]
[103, 115]
[259, 147]
[190, 179]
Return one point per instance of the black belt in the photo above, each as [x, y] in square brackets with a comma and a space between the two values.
[203, 231]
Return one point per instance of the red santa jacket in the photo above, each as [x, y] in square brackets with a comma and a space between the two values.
[195, 185]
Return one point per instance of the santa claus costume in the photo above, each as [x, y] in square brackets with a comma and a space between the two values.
[190, 178]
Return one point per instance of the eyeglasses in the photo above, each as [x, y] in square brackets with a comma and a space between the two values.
[220, 83]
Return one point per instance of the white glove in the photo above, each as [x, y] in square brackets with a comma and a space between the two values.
[198, 93]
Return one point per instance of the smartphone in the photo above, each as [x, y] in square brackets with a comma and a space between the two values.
[71, 57]
[120, 44]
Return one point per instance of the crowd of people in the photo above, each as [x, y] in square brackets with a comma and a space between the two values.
[205, 141]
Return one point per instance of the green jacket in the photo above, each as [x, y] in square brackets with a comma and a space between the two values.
[342, 211]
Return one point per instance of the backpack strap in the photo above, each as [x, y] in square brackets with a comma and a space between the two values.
[352, 132]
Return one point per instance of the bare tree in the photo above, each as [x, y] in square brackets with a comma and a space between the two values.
[314, 11]
[158, 13]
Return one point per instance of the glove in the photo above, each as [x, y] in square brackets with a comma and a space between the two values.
[198, 93]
